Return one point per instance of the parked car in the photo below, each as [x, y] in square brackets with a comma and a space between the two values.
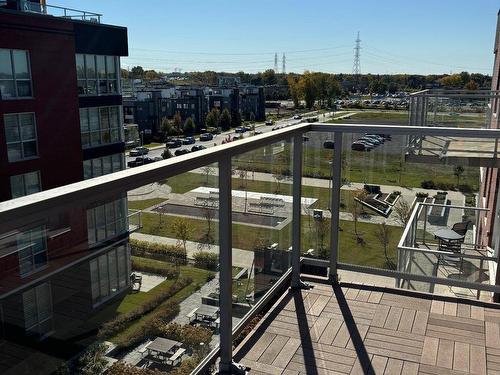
[188, 141]
[173, 143]
[213, 130]
[141, 160]
[241, 129]
[329, 145]
[360, 146]
[257, 132]
[183, 151]
[197, 148]
[269, 122]
[297, 117]
[374, 141]
[138, 151]
[206, 137]
[276, 128]
[375, 136]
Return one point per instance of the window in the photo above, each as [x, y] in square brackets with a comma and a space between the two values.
[103, 165]
[100, 125]
[25, 184]
[31, 250]
[97, 74]
[106, 221]
[37, 306]
[20, 133]
[15, 74]
[109, 273]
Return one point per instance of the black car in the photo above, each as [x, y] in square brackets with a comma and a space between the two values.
[197, 148]
[140, 161]
[206, 137]
[173, 143]
[241, 129]
[181, 152]
[188, 141]
[329, 145]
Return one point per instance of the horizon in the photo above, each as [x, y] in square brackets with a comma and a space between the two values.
[316, 38]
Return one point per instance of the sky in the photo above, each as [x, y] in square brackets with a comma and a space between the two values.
[397, 36]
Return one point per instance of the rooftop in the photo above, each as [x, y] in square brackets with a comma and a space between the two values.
[363, 329]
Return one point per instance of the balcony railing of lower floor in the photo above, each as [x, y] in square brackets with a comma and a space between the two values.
[278, 172]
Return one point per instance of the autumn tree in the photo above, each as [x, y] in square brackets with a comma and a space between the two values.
[402, 212]
[212, 119]
[295, 90]
[356, 208]
[235, 119]
[225, 120]
[178, 123]
[471, 85]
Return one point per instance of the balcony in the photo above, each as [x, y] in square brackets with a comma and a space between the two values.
[277, 210]
[456, 108]
[56, 11]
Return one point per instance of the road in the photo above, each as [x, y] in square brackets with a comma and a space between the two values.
[156, 152]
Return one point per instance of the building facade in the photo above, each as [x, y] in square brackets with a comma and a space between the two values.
[60, 123]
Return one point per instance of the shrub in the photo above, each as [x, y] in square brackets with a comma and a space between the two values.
[146, 328]
[151, 266]
[91, 361]
[428, 184]
[190, 335]
[206, 260]
[121, 368]
[465, 188]
[119, 323]
[422, 195]
[167, 253]
[445, 186]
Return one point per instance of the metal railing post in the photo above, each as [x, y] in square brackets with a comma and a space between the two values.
[425, 222]
[225, 262]
[335, 205]
[297, 208]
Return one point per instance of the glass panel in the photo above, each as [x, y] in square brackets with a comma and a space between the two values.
[80, 66]
[29, 149]
[93, 118]
[11, 128]
[100, 219]
[101, 67]
[32, 181]
[114, 117]
[23, 88]
[94, 277]
[21, 66]
[111, 67]
[113, 271]
[27, 123]
[7, 89]
[5, 64]
[84, 120]
[96, 167]
[91, 87]
[91, 69]
[17, 186]
[107, 165]
[14, 152]
[29, 307]
[103, 275]
[87, 169]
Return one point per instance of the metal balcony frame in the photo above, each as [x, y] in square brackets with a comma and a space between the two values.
[15, 213]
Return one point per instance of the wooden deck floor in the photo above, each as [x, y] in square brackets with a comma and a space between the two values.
[356, 329]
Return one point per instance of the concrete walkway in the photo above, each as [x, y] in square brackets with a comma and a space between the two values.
[241, 258]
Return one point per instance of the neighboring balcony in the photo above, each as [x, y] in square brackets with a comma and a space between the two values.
[57, 11]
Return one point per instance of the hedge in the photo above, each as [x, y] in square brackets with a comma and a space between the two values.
[121, 322]
[208, 261]
[166, 253]
[150, 266]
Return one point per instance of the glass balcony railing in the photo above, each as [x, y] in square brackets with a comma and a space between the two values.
[57, 11]
[207, 240]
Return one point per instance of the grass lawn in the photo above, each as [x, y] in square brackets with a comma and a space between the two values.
[145, 203]
[366, 115]
[247, 237]
[133, 300]
[151, 145]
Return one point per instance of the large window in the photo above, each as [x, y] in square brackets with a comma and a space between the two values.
[31, 250]
[25, 184]
[100, 125]
[109, 273]
[97, 74]
[106, 221]
[20, 133]
[15, 74]
[102, 166]
[37, 306]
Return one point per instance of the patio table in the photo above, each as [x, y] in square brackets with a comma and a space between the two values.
[162, 349]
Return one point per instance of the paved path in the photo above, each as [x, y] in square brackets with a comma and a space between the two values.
[241, 258]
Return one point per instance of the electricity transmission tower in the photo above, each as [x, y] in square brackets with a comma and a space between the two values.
[356, 69]
[276, 62]
[284, 64]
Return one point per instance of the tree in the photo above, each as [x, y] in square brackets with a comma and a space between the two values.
[92, 361]
[177, 122]
[383, 235]
[182, 231]
[377, 87]
[356, 208]
[322, 228]
[280, 171]
[189, 126]
[295, 90]
[471, 85]
[225, 120]
[458, 172]
[124, 74]
[137, 72]
[212, 119]
[166, 154]
[453, 81]
[269, 77]
[309, 89]
[236, 119]
[402, 211]
[167, 127]
[208, 170]
[208, 214]
[151, 75]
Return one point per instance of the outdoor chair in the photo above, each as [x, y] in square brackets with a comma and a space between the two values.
[461, 228]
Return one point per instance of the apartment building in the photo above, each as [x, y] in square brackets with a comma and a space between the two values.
[60, 123]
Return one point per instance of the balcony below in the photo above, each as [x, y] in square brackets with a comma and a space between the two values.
[362, 329]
